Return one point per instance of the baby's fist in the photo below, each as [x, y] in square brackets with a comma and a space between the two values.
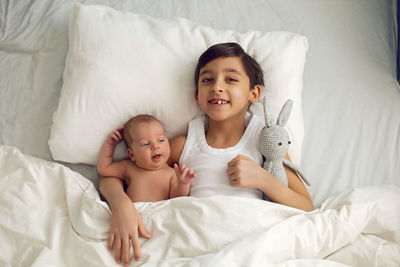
[115, 137]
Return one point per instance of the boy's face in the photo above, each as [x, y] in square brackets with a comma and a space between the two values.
[224, 89]
[150, 147]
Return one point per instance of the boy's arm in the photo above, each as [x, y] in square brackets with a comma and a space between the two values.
[176, 146]
[294, 195]
[105, 164]
[244, 172]
[180, 181]
[126, 224]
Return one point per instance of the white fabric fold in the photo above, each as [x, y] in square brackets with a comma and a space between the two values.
[51, 215]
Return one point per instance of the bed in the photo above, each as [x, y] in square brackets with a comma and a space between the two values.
[346, 126]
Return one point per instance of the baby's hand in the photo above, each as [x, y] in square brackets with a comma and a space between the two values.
[115, 137]
[184, 174]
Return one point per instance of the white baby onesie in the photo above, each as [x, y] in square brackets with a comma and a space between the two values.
[210, 164]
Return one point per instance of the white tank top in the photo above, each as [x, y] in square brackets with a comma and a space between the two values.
[210, 164]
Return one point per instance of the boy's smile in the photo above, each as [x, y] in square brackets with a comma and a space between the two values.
[218, 101]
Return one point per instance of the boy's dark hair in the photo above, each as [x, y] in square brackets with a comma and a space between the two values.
[251, 66]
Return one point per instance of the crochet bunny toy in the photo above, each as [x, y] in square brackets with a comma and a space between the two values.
[274, 143]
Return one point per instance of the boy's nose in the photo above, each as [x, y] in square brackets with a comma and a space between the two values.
[217, 88]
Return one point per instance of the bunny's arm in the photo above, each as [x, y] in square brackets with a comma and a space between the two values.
[296, 170]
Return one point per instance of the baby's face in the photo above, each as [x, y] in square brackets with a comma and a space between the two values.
[150, 147]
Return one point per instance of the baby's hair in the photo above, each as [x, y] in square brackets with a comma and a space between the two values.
[132, 123]
[251, 66]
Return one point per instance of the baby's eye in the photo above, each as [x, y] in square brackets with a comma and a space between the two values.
[162, 140]
[146, 144]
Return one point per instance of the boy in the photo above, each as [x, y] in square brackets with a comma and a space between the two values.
[146, 174]
[227, 81]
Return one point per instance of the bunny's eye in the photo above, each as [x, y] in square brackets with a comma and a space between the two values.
[280, 143]
[289, 142]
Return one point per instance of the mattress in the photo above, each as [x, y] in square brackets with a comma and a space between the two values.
[51, 213]
[351, 100]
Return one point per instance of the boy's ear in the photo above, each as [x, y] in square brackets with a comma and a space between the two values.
[130, 154]
[255, 94]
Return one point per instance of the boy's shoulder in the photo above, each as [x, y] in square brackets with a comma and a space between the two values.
[179, 140]
[176, 148]
[252, 118]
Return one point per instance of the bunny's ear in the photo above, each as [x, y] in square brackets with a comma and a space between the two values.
[269, 118]
[285, 113]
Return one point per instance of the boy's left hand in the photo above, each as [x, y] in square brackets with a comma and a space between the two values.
[244, 172]
[184, 174]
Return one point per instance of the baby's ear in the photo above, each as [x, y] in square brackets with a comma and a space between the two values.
[130, 154]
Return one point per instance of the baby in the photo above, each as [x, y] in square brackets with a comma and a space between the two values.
[147, 175]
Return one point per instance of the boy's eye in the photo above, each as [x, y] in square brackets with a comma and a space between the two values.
[162, 140]
[206, 80]
[231, 79]
[146, 144]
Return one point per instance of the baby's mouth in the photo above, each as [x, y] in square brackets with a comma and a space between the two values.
[156, 157]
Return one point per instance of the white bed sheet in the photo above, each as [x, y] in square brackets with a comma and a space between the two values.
[351, 99]
[52, 216]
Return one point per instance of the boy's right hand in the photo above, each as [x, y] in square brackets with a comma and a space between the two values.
[115, 137]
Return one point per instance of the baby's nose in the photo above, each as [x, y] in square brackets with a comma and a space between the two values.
[155, 146]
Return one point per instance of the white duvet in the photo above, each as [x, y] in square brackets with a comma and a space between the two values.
[52, 216]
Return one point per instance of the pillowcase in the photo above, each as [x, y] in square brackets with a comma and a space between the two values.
[120, 64]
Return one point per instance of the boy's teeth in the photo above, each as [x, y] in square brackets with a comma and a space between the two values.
[219, 102]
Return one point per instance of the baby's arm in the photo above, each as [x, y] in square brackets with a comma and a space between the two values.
[180, 182]
[105, 165]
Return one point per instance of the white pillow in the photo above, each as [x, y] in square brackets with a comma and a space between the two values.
[120, 64]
